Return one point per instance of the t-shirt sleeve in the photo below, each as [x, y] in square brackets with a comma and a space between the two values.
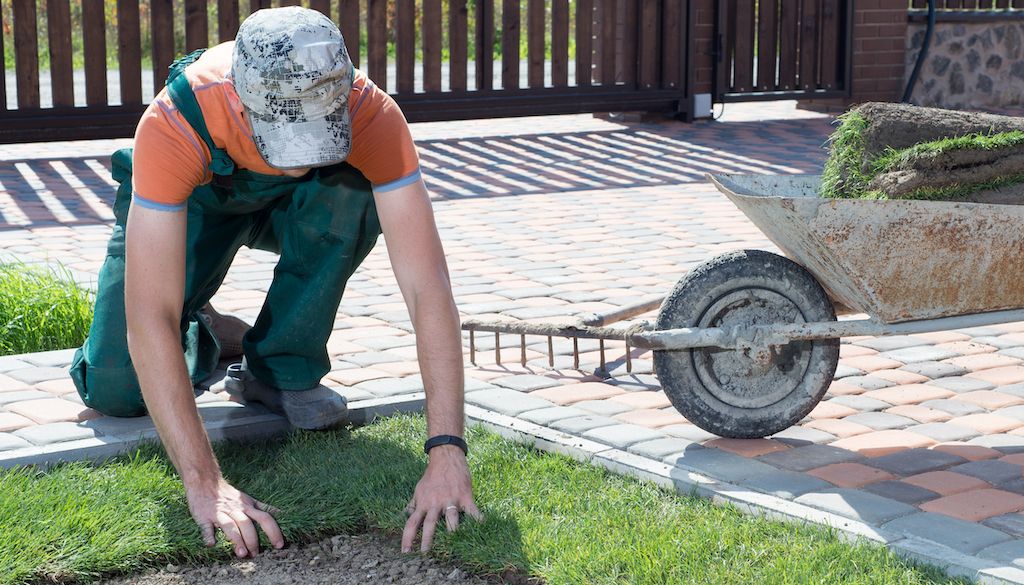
[382, 146]
[169, 160]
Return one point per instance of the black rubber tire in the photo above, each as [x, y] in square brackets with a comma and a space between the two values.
[722, 390]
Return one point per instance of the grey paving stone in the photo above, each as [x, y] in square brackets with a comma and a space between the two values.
[993, 471]
[621, 436]
[809, 457]
[369, 358]
[603, 407]
[386, 342]
[914, 461]
[1003, 442]
[799, 436]
[869, 382]
[966, 537]
[1014, 389]
[901, 492]
[1016, 412]
[718, 464]
[354, 394]
[1015, 486]
[522, 292]
[546, 416]
[881, 421]
[473, 384]
[689, 432]
[392, 386]
[506, 401]
[845, 371]
[55, 433]
[997, 341]
[934, 370]
[127, 428]
[658, 449]
[525, 382]
[639, 366]
[60, 358]
[635, 382]
[10, 397]
[538, 312]
[858, 505]
[981, 331]
[1014, 352]
[1012, 524]
[861, 403]
[920, 353]
[961, 384]
[9, 442]
[890, 342]
[581, 424]
[953, 407]
[1011, 552]
[786, 484]
[36, 375]
[580, 296]
[9, 363]
[944, 432]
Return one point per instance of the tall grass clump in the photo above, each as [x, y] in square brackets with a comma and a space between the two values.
[41, 309]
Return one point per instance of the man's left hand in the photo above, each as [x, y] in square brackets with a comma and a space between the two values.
[445, 490]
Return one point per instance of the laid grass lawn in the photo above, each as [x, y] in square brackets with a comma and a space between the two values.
[546, 514]
[41, 309]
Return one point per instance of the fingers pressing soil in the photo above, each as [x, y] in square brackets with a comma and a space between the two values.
[341, 560]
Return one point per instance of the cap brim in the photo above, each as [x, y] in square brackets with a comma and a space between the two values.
[294, 145]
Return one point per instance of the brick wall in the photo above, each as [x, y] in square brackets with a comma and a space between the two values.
[703, 44]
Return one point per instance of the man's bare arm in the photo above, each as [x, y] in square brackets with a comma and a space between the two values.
[418, 261]
[154, 290]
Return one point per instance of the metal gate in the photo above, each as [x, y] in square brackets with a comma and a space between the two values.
[504, 57]
[782, 49]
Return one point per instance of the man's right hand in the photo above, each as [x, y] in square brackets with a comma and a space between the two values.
[222, 506]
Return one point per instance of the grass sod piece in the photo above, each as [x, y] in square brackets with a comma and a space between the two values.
[41, 309]
[546, 515]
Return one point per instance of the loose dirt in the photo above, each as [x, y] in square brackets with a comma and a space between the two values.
[341, 560]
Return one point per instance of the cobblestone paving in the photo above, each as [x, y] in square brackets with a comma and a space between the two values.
[920, 438]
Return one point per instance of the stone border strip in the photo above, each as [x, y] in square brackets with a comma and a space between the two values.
[683, 480]
[257, 426]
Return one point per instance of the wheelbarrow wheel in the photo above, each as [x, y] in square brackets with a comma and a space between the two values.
[727, 391]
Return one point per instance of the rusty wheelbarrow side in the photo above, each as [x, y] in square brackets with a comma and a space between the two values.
[895, 260]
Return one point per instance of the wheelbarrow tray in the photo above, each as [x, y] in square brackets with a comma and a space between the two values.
[899, 260]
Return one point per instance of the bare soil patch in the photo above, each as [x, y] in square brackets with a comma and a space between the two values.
[340, 560]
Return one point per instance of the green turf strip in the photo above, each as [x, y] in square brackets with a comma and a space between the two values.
[41, 309]
[546, 515]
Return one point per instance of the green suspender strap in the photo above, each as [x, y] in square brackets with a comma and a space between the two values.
[181, 94]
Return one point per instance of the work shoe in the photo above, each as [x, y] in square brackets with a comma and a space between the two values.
[313, 409]
[229, 330]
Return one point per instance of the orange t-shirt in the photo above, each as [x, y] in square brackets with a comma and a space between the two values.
[170, 159]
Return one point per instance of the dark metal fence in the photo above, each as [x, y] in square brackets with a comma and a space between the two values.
[783, 49]
[969, 4]
[441, 59]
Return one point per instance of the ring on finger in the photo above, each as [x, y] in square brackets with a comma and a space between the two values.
[456, 508]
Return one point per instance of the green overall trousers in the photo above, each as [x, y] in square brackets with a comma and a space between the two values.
[322, 225]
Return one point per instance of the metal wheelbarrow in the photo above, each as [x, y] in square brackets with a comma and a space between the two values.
[747, 343]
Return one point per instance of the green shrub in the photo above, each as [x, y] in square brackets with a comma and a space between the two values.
[41, 309]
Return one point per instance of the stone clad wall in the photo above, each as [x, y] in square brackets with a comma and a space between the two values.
[969, 65]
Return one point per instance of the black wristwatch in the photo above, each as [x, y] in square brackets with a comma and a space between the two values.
[445, 440]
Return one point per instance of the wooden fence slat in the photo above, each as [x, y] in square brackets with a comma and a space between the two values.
[377, 41]
[672, 32]
[767, 43]
[348, 22]
[94, 39]
[560, 43]
[58, 21]
[129, 51]
[608, 54]
[255, 5]
[197, 33]
[726, 70]
[510, 44]
[227, 19]
[458, 44]
[324, 6]
[789, 15]
[809, 28]
[484, 14]
[628, 55]
[431, 45]
[831, 36]
[26, 53]
[535, 48]
[161, 15]
[584, 42]
[649, 20]
[743, 74]
[291, 2]
[405, 45]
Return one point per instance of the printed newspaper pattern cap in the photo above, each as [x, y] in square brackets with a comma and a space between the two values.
[293, 75]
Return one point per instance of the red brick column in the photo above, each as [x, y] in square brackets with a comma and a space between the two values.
[703, 45]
